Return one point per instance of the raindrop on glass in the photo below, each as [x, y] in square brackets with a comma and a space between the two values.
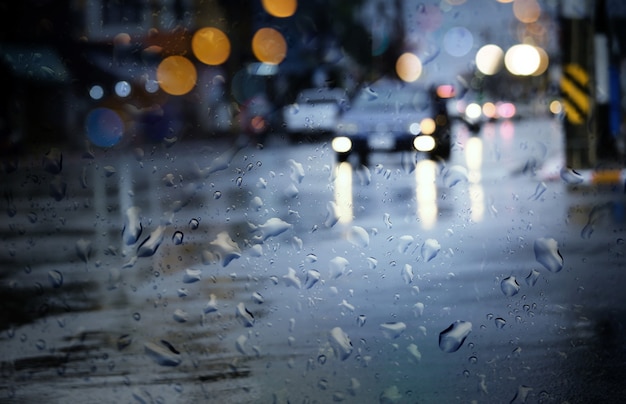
[570, 176]
[547, 254]
[532, 277]
[451, 339]
[56, 278]
[509, 286]
[149, 246]
[194, 224]
[393, 330]
[358, 236]
[244, 316]
[312, 277]
[340, 342]
[177, 237]
[500, 322]
[430, 249]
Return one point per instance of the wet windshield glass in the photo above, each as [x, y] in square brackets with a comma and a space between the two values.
[282, 201]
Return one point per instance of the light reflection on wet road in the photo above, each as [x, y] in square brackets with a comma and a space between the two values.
[281, 276]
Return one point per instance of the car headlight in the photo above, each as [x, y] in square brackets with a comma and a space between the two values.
[341, 144]
[424, 143]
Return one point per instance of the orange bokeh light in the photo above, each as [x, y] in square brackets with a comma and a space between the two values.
[176, 75]
[409, 67]
[526, 11]
[280, 8]
[211, 46]
[269, 46]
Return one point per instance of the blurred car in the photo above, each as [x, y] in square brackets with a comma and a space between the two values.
[389, 116]
[314, 113]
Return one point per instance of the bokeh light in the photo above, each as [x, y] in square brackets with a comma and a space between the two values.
[458, 41]
[408, 67]
[522, 59]
[526, 11]
[211, 46]
[269, 46]
[104, 127]
[122, 88]
[489, 59]
[96, 92]
[544, 61]
[176, 75]
[280, 8]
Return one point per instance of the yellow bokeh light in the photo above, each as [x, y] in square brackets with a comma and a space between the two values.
[544, 61]
[176, 75]
[211, 46]
[280, 8]
[526, 11]
[522, 59]
[489, 59]
[269, 46]
[408, 67]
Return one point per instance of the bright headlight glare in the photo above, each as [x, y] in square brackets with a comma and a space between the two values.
[341, 144]
[424, 143]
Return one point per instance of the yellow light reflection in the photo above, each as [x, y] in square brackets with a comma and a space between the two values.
[280, 8]
[176, 75]
[426, 193]
[544, 61]
[526, 11]
[343, 192]
[409, 67]
[211, 46]
[489, 59]
[474, 161]
[269, 46]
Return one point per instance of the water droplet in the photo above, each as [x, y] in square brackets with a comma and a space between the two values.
[149, 246]
[256, 203]
[451, 339]
[539, 190]
[56, 278]
[57, 188]
[361, 320]
[164, 355]
[291, 279]
[415, 353]
[548, 255]
[244, 316]
[570, 176]
[338, 267]
[387, 220]
[340, 343]
[532, 277]
[521, 396]
[83, 249]
[407, 273]
[297, 171]
[509, 286]
[404, 242]
[358, 236]
[240, 344]
[430, 249]
[225, 248]
[332, 214]
[132, 226]
[211, 306]
[53, 161]
[32, 217]
[321, 359]
[418, 309]
[390, 395]
[312, 277]
[393, 330]
[180, 316]
[500, 322]
[455, 175]
[192, 275]
[136, 316]
[109, 171]
[123, 341]
[194, 224]
[271, 228]
[177, 237]
[258, 298]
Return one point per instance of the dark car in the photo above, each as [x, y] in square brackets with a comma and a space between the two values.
[392, 116]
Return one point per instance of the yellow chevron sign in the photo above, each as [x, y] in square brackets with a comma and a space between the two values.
[575, 88]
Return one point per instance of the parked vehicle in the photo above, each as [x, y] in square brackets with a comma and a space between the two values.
[314, 113]
[389, 116]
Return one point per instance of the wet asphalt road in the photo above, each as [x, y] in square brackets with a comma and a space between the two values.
[273, 275]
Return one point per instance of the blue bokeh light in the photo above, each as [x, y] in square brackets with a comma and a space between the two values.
[104, 127]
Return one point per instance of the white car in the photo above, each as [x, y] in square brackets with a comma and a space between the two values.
[314, 113]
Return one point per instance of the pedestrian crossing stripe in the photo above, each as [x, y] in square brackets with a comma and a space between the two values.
[575, 89]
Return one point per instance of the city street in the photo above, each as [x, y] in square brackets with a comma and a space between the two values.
[208, 271]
